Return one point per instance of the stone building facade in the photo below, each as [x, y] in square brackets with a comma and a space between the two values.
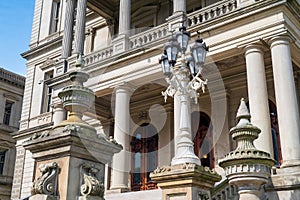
[11, 97]
[253, 53]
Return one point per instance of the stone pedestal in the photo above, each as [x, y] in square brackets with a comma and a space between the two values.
[70, 147]
[72, 156]
[247, 167]
[185, 181]
[120, 44]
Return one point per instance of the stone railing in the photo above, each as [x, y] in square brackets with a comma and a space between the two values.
[211, 12]
[148, 36]
[162, 31]
[12, 77]
[225, 191]
[99, 55]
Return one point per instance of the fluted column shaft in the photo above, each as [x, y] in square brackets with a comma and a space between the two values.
[124, 16]
[121, 161]
[258, 96]
[80, 27]
[68, 29]
[179, 6]
[286, 100]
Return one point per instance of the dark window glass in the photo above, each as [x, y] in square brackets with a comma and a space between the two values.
[7, 112]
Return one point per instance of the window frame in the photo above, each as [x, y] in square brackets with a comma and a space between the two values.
[55, 16]
[7, 117]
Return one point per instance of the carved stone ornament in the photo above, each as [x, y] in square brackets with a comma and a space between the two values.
[91, 186]
[72, 128]
[40, 135]
[47, 182]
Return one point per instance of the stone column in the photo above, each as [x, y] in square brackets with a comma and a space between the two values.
[59, 114]
[121, 43]
[80, 26]
[179, 6]
[121, 161]
[286, 100]
[258, 96]
[68, 29]
[124, 16]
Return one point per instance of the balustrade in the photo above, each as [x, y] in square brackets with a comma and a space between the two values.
[211, 12]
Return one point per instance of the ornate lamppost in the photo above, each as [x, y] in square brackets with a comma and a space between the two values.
[178, 78]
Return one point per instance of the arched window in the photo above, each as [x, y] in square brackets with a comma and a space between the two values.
[144, 146]
[202, 138]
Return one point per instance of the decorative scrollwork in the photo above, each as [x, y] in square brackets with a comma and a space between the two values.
[170, 91]
[91, 184]
[203, 195]
[198, 83]
[40, 135]
[72, 128]
[162, 169]
[46, 183]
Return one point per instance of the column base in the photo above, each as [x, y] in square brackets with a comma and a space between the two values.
[176, 20]
[120, 44]
[185, 181]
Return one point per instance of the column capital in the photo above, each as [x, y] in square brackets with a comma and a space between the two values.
[125, 86]
[256, 47]
[281, 39]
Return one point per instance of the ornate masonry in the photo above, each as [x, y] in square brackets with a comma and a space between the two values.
[74, 146]
[185, 181]
[247, 167]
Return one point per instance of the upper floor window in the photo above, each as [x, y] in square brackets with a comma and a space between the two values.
[47, 94]
[2, 159]
[7, 112]
[55, 12]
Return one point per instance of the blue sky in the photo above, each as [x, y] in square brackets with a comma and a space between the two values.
[15, 29]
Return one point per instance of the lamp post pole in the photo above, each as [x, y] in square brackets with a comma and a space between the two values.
[178, 78]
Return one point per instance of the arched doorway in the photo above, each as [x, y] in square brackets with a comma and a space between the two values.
[275, 133]
[202, 138]
[144, 146]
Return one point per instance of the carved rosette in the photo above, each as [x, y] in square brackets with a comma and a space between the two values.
[91, 185]
[46, 183]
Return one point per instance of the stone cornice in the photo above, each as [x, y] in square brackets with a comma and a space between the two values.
[43, 48]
